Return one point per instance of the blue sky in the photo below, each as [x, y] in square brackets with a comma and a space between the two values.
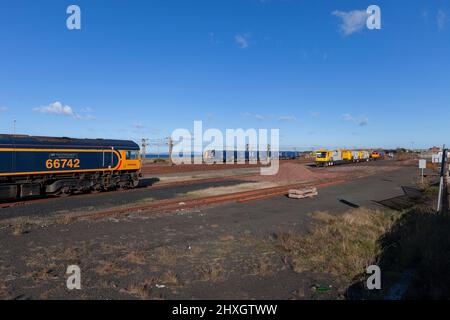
[144, 68]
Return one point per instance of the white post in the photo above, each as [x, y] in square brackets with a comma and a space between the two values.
[441, 180]
[441, 185]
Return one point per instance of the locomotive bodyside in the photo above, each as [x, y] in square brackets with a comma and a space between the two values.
[32, 166]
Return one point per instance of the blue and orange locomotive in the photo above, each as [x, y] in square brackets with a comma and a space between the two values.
[33, 166]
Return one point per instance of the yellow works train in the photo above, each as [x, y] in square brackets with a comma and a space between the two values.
[325, 157]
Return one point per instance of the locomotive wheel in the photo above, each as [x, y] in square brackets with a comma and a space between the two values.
[63, 192]
[96, 188]
[123, 186]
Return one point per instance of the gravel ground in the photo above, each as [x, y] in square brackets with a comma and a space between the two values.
[222, 251]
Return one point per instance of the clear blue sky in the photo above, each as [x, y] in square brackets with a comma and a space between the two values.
[144, 68]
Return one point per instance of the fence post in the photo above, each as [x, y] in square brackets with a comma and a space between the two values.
[170, 151]
[442, 187]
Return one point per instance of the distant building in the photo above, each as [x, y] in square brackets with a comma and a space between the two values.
[437, 157]
[434, 150]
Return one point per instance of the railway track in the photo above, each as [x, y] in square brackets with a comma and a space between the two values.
[159, 185]
[244, 197]
[171, 205]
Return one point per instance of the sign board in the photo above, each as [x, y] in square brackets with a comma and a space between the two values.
[435, 158]
[422, 164]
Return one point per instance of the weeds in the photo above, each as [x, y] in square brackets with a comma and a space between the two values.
[211, 273]
[169, 278]
[341, 245]
[420, 242]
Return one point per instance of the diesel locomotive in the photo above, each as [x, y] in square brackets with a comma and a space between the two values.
[36, 166]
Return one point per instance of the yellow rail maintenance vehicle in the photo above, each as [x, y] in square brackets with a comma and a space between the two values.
[364, 155]
[347, 156]
[376, 155]
[325, 158]
[355, 156]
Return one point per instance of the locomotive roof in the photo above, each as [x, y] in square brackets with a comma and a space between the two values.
[64, 142]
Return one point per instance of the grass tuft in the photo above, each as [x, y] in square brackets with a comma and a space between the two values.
[343, 245]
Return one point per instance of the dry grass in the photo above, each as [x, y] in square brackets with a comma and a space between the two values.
[322, 216]
[402, 156]
[111, 268]
[215, 191]
[226, 237]
[21, 225]
[165, 256]
[44, 274]
[4, 292]
[431, 191]
[140, 291]
[135, 257]
[20, 229]
[112, 248]
[169, 278]
[72, 253]
[145, 290]
[262, 268]
[211, 273]
[66, 219]
[341, 245]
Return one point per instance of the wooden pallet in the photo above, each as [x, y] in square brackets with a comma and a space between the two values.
[303, 193]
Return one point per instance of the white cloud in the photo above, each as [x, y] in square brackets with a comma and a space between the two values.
[266, 117]
[57, 108]
[347, 117]
[242, 40]
[361, 121]
[314, 114]
[87, 110]
[352, 21]
[3, 109]
[287, 119]
[142, 129]
[257, 116]
[138, 125]
[441, 19]
[86, 114]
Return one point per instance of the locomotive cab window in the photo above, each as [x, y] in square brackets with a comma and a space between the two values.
[132, 155]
